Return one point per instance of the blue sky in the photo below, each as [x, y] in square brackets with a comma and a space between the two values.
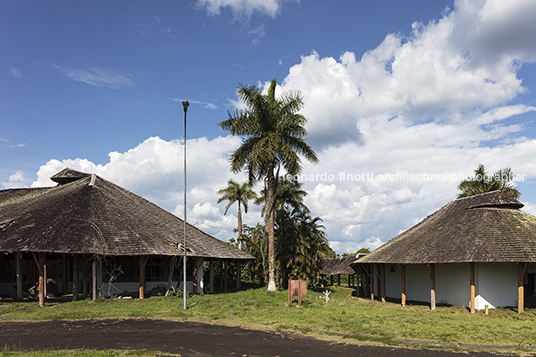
[425, 89]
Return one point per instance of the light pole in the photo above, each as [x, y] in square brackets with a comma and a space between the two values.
[185, 105]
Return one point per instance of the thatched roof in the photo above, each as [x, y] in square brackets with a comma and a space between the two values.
[92, 215]
[485, 228]
[336, 266]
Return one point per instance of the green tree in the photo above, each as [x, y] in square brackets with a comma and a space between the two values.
[241, 193]
[301, 245]
[273, 136]
[482, 182]
[256, 244]
[289, 196]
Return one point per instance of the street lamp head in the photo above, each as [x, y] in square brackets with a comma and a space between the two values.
[185, 104]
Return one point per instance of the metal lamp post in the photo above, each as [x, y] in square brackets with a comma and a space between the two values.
[185, 105]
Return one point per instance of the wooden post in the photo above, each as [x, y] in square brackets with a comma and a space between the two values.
[377, 272]
[372, 282]
[403, 278]
[382, 272]
[84, 276]
[238, 274]
[432, 287]
[18, 267]
[42, 278]
[472, 282]
[1, 267]
[94, 278]
[331, 279]
[211, 284]
[222, 277]
[195, 282]
[143, 263]
[226, 274]
[338, 279]
[75, 277]
[521, 272]
[65, 274]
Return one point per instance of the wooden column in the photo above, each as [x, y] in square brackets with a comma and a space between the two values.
[65, 274]
[382, 278]
[84, 276]
[521, 272]
[211, 275]
[75, 277]
[18, 268]
[195, 285]
[403, 278]
[143, 263]
[472, 282]
[432, 287]
[372, 282]
[377, 269]
[226, 274]
[1, 267]
[41, 266]
[94, 278]
[331, 279]
[338, 279]
[222, 277]
[238, 274]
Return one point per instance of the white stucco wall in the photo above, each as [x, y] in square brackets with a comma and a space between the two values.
[495, 284]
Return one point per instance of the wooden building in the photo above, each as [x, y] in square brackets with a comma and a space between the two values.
[89, 234]
[339, 266]
[477, 251]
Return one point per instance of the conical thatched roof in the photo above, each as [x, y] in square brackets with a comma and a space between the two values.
[482, 228]
[87, 214]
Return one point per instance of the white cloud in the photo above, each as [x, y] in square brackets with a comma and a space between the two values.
[242, 8]
[17, 180]
[98, 77]
[16, 73]
[154, 170]
[395, 130]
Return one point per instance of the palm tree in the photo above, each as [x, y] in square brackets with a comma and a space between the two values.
[241, 193]
[289, 196]
[482, 182]
[273, 136]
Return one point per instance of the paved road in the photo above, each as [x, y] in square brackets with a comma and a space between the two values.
[188, 339]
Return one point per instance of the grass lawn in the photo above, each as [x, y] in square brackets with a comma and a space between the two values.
[345, 315]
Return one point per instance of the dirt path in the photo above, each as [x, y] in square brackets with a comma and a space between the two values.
[187, 339]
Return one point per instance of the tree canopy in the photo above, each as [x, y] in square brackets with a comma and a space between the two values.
[483, 182]
[273, 137]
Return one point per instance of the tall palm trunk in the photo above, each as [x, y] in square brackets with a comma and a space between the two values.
[269, 221]
[239, 227]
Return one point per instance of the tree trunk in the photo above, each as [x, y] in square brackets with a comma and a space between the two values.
[239, 227]
[269, 219]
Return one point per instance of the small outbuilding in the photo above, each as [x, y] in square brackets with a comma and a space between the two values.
[89, 234]
[477, 251]
[339, 266]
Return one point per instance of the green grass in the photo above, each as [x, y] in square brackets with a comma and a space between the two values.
[345, 316]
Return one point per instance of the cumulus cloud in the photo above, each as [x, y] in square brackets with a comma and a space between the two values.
[395, 129]
[399, 127]
[17, 180]
[154, 170]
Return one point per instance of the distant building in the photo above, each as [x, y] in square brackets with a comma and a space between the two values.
[473, 252]
[87, 230]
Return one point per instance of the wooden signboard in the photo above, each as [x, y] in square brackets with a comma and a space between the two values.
[297, 288]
